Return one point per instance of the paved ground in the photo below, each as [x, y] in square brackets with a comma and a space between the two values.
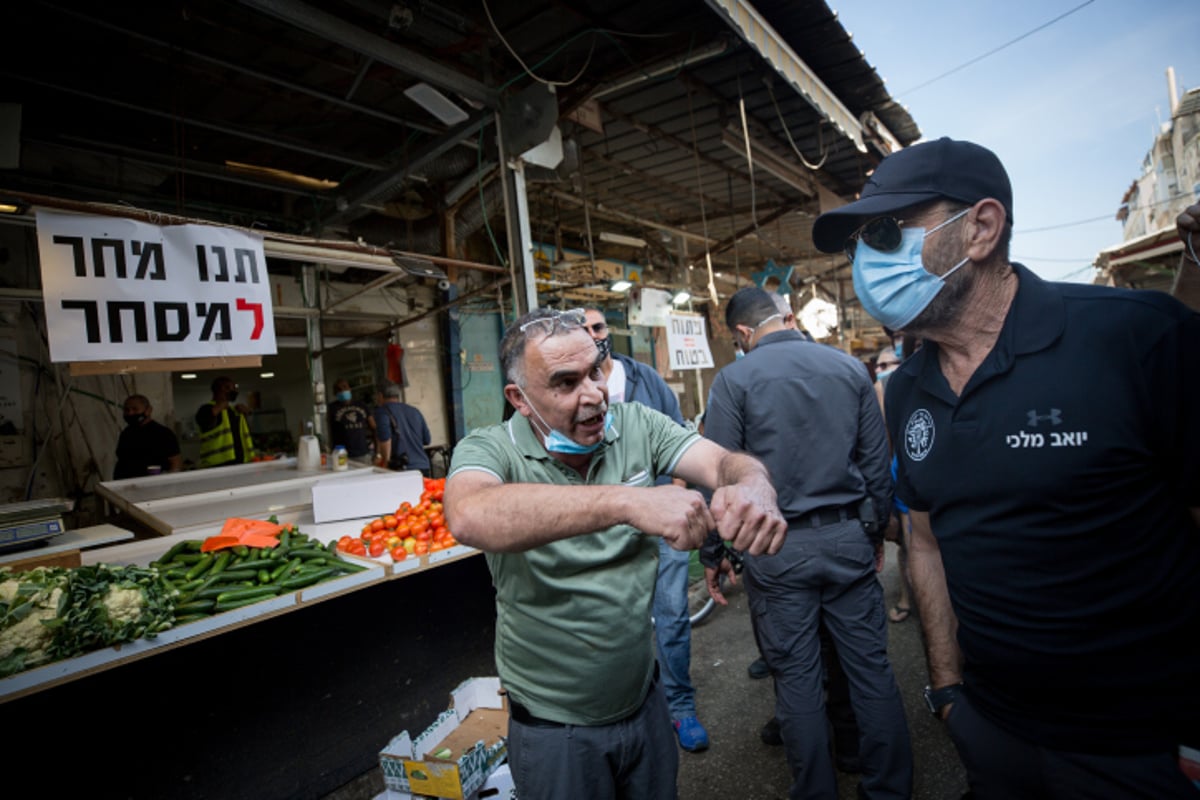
[734, 707]
[738, 766]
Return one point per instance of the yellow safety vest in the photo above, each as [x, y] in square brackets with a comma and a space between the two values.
[216, 444]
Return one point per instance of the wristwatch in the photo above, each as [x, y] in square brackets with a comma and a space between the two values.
[937, 699]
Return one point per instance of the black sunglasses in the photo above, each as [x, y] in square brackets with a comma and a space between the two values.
[881, 233]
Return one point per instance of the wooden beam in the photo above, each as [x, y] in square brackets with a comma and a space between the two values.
[162, 365]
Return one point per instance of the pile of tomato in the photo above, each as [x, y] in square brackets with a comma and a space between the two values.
[413, 530]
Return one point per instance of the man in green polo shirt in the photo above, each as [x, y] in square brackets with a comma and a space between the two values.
[562, 499]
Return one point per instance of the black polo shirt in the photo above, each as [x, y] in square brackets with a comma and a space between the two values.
[1058, 487]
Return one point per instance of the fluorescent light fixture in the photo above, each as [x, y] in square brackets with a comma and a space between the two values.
[188, 376]
[13, 205]
[266, 374]
[436, 103]
[620, 286]
[681, 297]
[620, 238]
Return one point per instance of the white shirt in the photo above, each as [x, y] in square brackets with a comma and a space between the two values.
[616, 383]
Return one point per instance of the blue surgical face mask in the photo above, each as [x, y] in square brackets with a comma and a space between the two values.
[738, 354]
[895, 287]
[343, 396]
[558, 442]
[899, 349]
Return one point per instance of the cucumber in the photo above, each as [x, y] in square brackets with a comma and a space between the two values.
[195, 607]
[305, 579]
[220, 562]
[200, 567]
[186, 618]
[229, 605]
[254, 564]
[259, 592]
[175, 550]
[241, 550]
[307, 552]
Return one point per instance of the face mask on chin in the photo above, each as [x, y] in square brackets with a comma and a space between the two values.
[895, 287]
[558, 442]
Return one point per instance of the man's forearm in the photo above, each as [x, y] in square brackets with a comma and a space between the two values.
[928, 580]
[520, 516]
[738, 467]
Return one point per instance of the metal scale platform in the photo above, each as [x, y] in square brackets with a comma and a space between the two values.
[31, 523]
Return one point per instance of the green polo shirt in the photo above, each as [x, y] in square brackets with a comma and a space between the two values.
[573, 630]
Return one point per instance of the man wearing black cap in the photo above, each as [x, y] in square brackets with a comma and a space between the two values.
[1055, 549]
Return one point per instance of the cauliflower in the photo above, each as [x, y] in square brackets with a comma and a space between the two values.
[124, 604]
[30, 604]
[50, 613]
[110, 605]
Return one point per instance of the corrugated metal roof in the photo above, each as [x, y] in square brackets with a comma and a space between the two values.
[172, 95]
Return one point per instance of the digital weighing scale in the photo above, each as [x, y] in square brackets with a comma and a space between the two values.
[30, 523]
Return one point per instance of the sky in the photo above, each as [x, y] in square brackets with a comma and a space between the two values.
[1071, 109]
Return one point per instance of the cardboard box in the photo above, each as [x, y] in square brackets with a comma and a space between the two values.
[371, 494]
[458, 752]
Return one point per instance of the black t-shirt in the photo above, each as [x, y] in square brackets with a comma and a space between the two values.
[1058, 486]
[348, 427]
[142, 446]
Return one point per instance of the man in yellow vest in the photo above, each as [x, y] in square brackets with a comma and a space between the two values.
[224, 431]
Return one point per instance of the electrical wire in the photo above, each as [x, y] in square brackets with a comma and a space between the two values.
[993, 51]
[528, 71]
[782, 124]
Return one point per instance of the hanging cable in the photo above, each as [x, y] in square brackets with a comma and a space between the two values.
[524, 66]
[712, 284]
[788, 134]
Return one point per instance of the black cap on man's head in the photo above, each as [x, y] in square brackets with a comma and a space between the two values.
[942, 169]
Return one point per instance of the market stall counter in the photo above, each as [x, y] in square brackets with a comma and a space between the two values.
[290, 697]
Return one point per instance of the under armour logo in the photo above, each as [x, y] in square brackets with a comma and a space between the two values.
[1054, 417]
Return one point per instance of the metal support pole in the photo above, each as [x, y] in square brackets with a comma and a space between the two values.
[312, 330]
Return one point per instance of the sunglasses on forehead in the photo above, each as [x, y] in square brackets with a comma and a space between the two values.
[556, 320]
[884, 234]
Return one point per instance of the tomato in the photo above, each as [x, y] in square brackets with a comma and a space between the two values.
[404, 508]
[392, 541]
[377, 548]
[377, 525]
[389, 521]
[343, 541]
[421, 548]
[410, 544]
[398, 553]
[356, 548]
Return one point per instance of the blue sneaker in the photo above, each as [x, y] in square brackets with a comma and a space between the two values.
[692, 736]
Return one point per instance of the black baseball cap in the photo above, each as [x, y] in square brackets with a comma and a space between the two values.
[944, 168]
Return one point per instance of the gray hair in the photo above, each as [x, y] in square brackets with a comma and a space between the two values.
[392, 390]
[512, 346]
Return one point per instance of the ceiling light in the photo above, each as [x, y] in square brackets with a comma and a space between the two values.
[13, 205]
[620, 238]
[436, 103]
[682, 296]
[188, 376]
[266, 374]
[620, 286]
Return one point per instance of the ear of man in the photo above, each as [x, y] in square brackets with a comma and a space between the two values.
[985, 228]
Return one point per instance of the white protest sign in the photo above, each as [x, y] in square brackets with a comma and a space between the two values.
[688, 342]
[118, 289]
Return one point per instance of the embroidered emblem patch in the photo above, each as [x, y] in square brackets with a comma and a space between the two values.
[918, 435]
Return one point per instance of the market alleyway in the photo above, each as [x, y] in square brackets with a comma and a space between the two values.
[738, 766]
